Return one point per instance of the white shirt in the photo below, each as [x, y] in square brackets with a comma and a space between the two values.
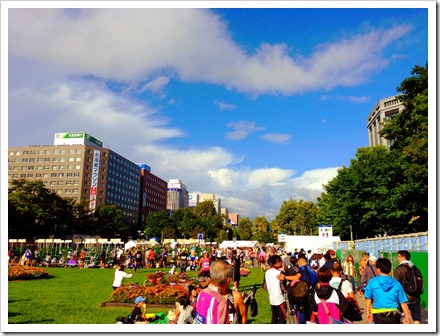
[346, 288]
[276, 297]
[119, 277]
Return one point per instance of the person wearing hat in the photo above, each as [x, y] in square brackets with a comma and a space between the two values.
[370, 272]
[139, 311]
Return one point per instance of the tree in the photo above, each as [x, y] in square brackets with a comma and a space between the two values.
[209, 219]
[297, 217]
[261, 228]
[108, 220]
[156, 222]
[245, 228]
[366, 196]
[184, 221]
[408, 133]
[35, 211]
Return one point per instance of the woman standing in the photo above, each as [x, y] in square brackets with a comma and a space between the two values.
[350, 271]
[205, 265]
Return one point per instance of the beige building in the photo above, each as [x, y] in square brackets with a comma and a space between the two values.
[83, 170]
[383, 110]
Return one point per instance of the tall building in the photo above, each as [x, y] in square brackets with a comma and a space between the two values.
[78, 167]
[153, 193]
[233, 219]
[211, 197]
[383, 110]
[177, 195]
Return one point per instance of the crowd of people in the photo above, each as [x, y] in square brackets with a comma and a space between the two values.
[330, 297]
[330, 283]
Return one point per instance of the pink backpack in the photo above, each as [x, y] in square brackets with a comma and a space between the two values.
[212, 308]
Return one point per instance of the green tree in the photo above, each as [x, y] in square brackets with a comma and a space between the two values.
[35, 211]
[210, 221]
[245, 228]
[261, 229]
[408, 134]
[156, 222]
[297, 217]
[108, 220]
[185, 221]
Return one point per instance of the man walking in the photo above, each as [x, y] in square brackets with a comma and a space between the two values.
[273, 279]
[413, 292]
[383, 295]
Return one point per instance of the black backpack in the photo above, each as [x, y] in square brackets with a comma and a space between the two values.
[413, 281]
[353, 311]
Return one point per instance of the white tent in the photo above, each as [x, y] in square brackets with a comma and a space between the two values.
[240, 244]
[129, 245]
[314, 243]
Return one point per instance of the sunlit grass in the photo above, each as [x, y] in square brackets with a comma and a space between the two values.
[74, 296]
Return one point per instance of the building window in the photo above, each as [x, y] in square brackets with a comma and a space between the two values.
[55, 159]
[53, 175]
[46, 167]
[30, 175]
[39, 159]
[71, 159]
[47, 152]
[60, 174]
[17, 153]
[24, 160]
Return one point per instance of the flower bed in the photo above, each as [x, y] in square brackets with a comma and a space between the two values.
[244, 272]
[19, 272]
[154, 294]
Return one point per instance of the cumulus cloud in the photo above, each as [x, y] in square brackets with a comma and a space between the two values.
[276, 137]
[97, 41]
[76, 69]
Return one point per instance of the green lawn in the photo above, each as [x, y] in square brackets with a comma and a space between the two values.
[74, 296]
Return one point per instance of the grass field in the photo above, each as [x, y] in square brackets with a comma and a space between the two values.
[74, 296]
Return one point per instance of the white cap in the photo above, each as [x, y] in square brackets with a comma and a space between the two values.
[372, 258]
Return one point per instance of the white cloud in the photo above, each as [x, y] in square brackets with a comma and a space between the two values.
[276, 137]
[224, 106]
[156, 85]
[242, 129]
[97, 41]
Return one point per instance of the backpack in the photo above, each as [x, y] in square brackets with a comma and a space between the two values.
[353, 312]
[261, 258]
[299, 291]
[211, 308]
[413, 281]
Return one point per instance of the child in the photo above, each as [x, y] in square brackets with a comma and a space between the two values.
[139, 311]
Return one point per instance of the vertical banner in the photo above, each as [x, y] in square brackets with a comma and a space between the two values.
[94, 183]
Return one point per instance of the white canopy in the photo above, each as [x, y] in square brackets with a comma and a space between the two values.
[130, 244]
[240, 244]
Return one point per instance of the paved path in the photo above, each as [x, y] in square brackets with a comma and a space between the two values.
[361, 302]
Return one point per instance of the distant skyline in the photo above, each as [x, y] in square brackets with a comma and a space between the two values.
[256, 106]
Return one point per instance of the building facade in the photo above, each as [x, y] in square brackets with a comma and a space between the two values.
[233, 219]
[153, 193]
[383, 110]
[78, 167]
[177, 195]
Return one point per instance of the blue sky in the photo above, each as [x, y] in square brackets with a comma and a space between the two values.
[254, 105]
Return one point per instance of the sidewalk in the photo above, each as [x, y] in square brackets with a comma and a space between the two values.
[361, 302]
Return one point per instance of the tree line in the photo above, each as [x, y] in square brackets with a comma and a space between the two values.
[384, 191]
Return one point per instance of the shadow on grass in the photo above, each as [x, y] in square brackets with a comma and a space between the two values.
[22, 300]
[51, 321]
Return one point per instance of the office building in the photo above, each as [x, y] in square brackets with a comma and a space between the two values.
[78, 167]
[153, 193]
[177, 195]
[383, 110]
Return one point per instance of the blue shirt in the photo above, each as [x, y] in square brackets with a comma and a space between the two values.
[385, 291]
